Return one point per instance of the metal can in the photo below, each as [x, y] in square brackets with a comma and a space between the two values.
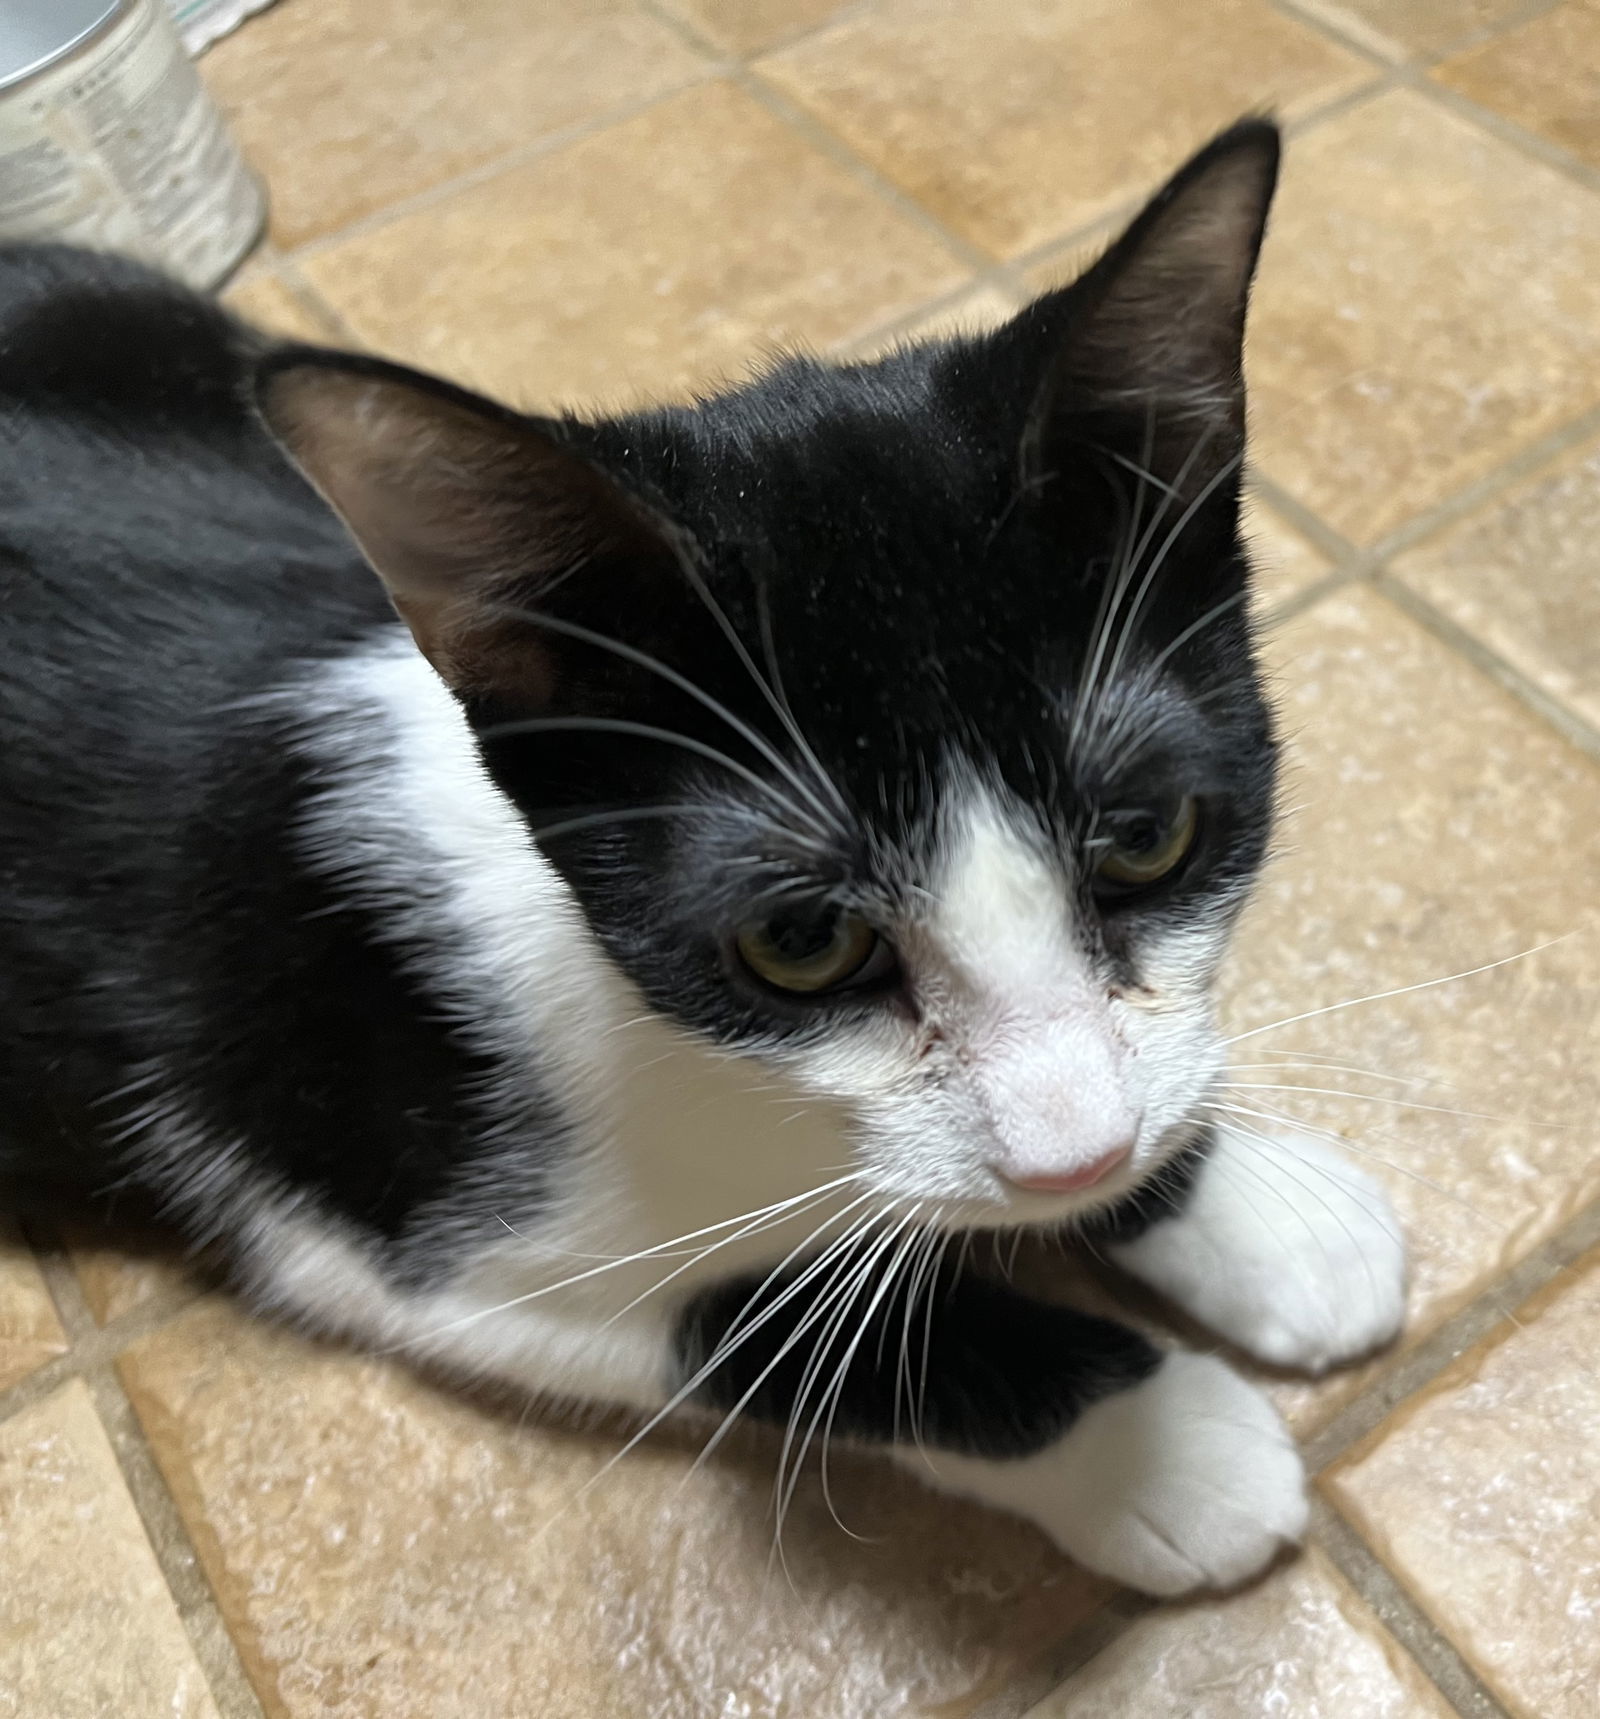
[108, 139]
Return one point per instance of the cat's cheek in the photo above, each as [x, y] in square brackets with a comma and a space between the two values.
[1186, 1480]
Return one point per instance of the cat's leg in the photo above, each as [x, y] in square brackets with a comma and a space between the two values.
[1165, 1471]
[1274, 1241]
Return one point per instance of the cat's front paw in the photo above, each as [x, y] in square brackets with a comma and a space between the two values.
[1187, 1480]
[1285, 1249]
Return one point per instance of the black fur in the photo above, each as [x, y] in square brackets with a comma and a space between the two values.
[999, 1376]
[920, 549]
[161, 564]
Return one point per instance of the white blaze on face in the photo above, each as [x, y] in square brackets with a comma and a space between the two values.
[1031, 1030]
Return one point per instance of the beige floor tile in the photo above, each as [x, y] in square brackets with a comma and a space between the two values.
[1482, 1498]
[753, 26]
[1401, 28]
[114, 1281]
[87, 1627]
[1417, 784]
[383, 1548]
[1017, 123]
[346, 105]
[1286, 563]
[1061, 267]
[264, 300]
[30, 1333]
[1300, 1644]
[1521, 575]
[1429, 303]
[1545, 76]
[984, 307]
[666, 252]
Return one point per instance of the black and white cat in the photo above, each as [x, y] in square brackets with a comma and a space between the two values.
[805, 838]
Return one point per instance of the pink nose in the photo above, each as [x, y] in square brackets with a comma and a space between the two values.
[1073, 1181]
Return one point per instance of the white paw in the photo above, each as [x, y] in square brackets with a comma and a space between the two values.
[1187, 1480]
[1284, 1248]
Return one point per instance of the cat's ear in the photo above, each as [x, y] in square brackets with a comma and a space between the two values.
[1150, 341]
[470, 513]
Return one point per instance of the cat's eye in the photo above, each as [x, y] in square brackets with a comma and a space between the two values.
[810, 952]
[1147, 847]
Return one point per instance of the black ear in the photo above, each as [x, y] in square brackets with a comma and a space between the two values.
[1150, 343]
[471, 514]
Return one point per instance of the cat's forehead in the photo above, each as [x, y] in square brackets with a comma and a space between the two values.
[997, 909]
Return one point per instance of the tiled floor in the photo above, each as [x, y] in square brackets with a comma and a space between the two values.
[573, 201]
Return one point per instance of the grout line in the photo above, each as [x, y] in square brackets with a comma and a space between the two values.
[1435, 1655]
[1413, 1374]
[1471, 496]
[1075, 249]
[1338, 548]
[89, 1344]
[828, 142]
[689, 32]
[1420, 1367]
[1491, 32]
[65, 1291]
[1085, 240]
[1567, 723]
[1397, 54]
[856, 346]
[1527, 143]
[1077, 246]
[35, 1386]
[315, 304]
[91, 1359]
[1353, 562]
[1068, 1656]
[93, 1343]
[823, 138]
[257, 263]
[377, 219]
[175, 1551]
[695, 39]
[1352, 37]
[1338, 579]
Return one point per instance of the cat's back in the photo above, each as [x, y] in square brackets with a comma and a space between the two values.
[159, 560]
[135, 483]
[163, 574]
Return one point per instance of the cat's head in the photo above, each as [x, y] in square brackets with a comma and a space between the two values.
[893, 723]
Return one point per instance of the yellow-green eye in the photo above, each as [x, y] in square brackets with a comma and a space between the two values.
[1146, 849]
[807, 952]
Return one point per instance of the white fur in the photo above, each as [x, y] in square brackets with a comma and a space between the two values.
[1034, 1066]
[1028, 1060]
[1284, 1248]
[543, 1347]
[1187, 1480]
[668, 1136]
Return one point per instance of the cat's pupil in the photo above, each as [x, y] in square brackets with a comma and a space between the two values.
[798, 936]
[1142, 835]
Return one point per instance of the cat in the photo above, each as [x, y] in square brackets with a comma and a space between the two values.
[731, 856]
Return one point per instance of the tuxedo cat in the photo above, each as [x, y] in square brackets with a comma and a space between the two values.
[731, 856]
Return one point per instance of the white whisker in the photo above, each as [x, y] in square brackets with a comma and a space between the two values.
[1401, 990]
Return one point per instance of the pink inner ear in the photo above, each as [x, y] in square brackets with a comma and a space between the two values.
[1155, 330]
[466, 513]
